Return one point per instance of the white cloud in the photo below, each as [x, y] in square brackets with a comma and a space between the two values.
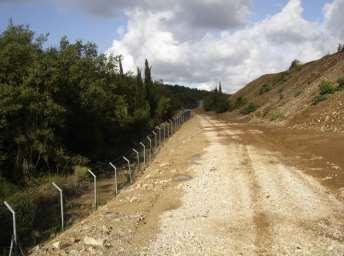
[222, 49]
[334, 18]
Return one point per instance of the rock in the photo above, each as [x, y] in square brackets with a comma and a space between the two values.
[107, 229]
[107, 244]
[57, 245]
[147, 186]
[93, 242]
[36, 248]
[74, 253]
[133, 199]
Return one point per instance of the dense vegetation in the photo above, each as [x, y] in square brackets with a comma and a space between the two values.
[65, 106]
[217, 101]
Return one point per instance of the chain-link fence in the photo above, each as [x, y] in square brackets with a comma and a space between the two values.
[107, 179]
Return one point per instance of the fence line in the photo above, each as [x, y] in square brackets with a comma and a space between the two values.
[165, 130]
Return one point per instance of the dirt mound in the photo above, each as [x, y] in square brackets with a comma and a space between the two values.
[287, 98]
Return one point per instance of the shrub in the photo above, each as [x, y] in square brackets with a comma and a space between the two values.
[6, 188]
[222, 105]
[265, 88]
[340, 85]
[239, 102]
[80, 172]
[295, 65]
[276, 115]
[319, 98]
[249, 109]
[25, 209]
[326, 87]
[208, 103]
[217, 102]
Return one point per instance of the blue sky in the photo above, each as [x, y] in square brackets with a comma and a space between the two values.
[77, 23]
[312, 8]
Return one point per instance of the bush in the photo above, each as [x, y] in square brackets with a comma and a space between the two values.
[6, 188]
[249, 109]
[217, 102]
[239, 102]
[340, 85]
[276, 115]
[319, 98]
[25, 209]
[265, 88]
[326, 87]
[80, 172]
[295, 65]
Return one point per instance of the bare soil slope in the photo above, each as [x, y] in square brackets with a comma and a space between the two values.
[287, 98]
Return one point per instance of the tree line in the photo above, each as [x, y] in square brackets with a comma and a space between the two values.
[217, 101]
[69, 105]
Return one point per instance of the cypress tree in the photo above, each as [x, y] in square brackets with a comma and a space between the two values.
[120, 65]
[148, 75]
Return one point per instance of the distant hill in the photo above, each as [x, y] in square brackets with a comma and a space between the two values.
[305, 96]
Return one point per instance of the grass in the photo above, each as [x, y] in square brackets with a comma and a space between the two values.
[37, 206]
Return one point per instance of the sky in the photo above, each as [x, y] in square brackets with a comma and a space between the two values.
[195, 42]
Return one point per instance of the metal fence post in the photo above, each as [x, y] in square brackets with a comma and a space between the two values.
[171, 126]
[129, 170]
[116, 184]
[138, 157]
[61, 204]
[14, 223]
[159, 129]
[14, 238]
[164, 125]
[155, 140]
[95, 187]
[150, 148]
[144, 154]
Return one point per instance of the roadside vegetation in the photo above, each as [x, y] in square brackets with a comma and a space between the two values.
[65, 107]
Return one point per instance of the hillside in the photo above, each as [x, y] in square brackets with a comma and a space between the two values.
[287, 98]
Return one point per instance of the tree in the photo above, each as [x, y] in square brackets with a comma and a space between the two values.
[216, 101]
[69, 105]
[148, 76]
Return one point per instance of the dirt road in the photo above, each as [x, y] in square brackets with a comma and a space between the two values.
[210, 191]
